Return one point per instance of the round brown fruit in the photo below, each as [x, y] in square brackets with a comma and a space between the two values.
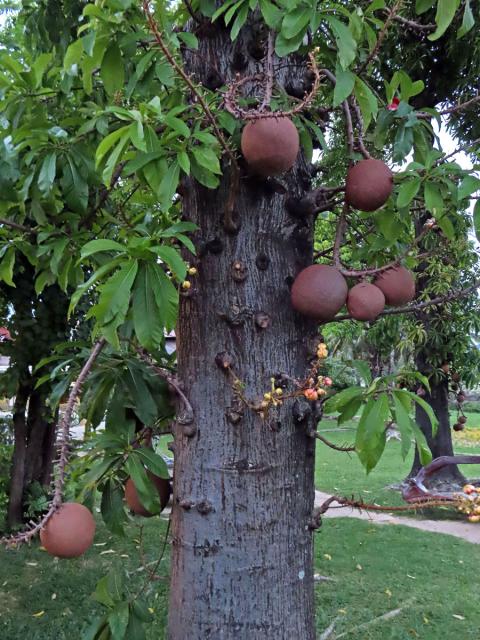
[270, 145]
[319, 291]
[365, 301]
[69, 532]
[397, 284]
[458, 427]
[369, 185]
[460, 398]
[133, 500]
[462, 419]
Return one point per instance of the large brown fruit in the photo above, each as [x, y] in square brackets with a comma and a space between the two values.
[365, 301]
[397, 284]
[69, 532]
[369, 185]
[133, 500]
[319, 292]
[270, 145]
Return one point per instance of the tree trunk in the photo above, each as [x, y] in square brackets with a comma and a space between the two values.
[41, 440]
[242, 562]
[15, 502]
[441, 443]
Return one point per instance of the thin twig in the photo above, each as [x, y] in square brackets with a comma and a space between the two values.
[29, 533]
[332, 445]
[15, 225]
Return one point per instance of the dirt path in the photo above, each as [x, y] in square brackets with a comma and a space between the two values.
[465, 530]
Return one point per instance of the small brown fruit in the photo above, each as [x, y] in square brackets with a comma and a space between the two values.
[462, 419]
[365, 301]
[460, 398]
[369, 185]
[319, 291]
[397, 284]
[270, 145]
[458, 427]
[69, 532]
[133, 500]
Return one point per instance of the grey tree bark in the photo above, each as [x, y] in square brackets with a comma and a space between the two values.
[242, 563]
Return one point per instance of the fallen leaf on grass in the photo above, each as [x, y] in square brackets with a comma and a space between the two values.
[39, 614]
[457, 617]
[327, 556]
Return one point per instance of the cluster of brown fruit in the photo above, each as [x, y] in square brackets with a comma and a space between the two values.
[270, 147]
[69, 532]
[470, 502]
[456, 389]
[320, 291]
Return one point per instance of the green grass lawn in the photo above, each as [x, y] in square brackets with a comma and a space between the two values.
[375, 569]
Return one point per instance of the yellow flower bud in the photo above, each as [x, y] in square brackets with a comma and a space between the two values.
[186, 284]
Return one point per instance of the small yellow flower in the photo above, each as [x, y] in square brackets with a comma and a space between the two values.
[267, 396]
[186, 284]
[192, 271]
[278, 391]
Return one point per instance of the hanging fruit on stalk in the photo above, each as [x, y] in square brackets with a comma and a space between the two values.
[365, 301]
[69, 532]
[369, 185]
[397, 285]
[270, 145]
[134, 502]
[319, 292]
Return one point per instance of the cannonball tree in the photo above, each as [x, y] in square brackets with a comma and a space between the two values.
[125, 185]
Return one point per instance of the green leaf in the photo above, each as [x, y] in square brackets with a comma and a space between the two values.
[340, 399]
[403, 422]
[271, 14]
[6, 266]
[184, 162]
[95, 246]
[366, 101]
[47, 173]
[363, 369]
[135, 630]
[111, 507]
[433, 199]
[172, 259]
[371, 438]
[206, 157]
[147, 317]
[408, 396]
[146, 490]
[295, 21]
[476, 219]
[136, 387]
[177, 125]
[154, 463]
[165, 294]
[350, 410]
[108, 142]
[284, 46]
[446, 10]
[97, 275]
[469, 185]
[407, 192]
[190, 39]
[423, 449]
[102, 593]
[347, 47]
[446, 226]
[468, 21]
[344, 86]
[168, 185]
[239, 22]
[114, 296]
[112, 70]
[118, 620]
